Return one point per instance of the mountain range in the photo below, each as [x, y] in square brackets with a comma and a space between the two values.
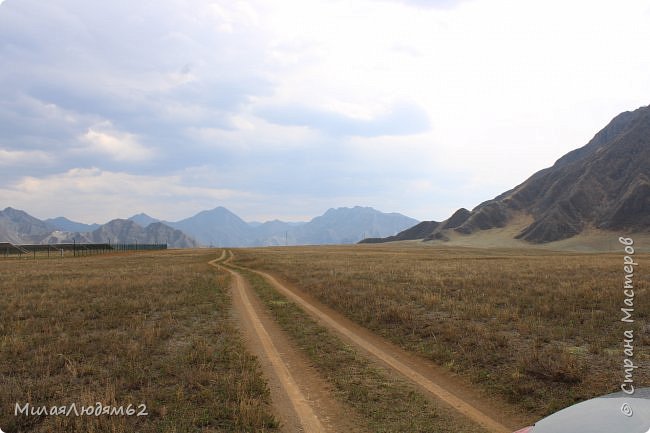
[216, 227]
[18, 227]
[343, 225]
[602, 186]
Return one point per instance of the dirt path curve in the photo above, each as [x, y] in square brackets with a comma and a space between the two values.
[301, 399]
[442, 385]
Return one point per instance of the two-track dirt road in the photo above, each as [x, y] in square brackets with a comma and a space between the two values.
[301, 398]
[434, 381]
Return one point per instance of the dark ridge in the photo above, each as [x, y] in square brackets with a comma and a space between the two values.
[458, 218]
[418, 231]
[603, 184]
[490, 215]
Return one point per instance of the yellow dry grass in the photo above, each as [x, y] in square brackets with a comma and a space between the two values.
[540, 329]
[145, 328]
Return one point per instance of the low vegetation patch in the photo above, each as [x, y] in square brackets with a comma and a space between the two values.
[145, 328]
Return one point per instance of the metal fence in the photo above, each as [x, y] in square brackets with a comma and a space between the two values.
[74, 249]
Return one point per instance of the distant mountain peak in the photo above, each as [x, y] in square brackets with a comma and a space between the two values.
[143, 220]
[219, 209]
[66, 225]
[18, 226]
[13, 211]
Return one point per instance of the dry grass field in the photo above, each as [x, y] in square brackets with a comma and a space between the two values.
[137, 328]
[541, 329]
[385, 402]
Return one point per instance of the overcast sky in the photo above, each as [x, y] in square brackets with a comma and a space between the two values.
[284, 109]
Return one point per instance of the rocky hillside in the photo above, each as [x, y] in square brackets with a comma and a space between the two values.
[130, 232]
[19, 227]
[604, 184]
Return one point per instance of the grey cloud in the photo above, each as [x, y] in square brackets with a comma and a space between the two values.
[30, 124]
[402, 119]
[151, 69]
[117, 62]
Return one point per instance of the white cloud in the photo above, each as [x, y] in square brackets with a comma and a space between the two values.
[11, 158]
[119, 146]
[402, 119]
[230, 15]
[91, 194]
[249, 134]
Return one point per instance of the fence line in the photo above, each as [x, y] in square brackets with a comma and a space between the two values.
[75, 249]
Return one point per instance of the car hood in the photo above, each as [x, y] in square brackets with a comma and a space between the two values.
[613, 413]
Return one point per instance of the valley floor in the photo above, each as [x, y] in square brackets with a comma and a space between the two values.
[365, 338]
[536, 329]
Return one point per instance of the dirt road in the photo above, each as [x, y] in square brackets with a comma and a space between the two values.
[434, 380]
[301, 398]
